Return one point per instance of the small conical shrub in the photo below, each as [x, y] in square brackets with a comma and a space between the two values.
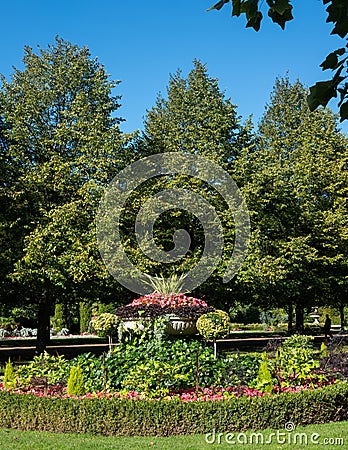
[323, 350]
[9, 375]
[76, 384]
[264, 378]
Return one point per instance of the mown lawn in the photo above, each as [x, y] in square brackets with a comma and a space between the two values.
[336, 435]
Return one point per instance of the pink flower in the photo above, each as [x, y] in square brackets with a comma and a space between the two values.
[173, 300]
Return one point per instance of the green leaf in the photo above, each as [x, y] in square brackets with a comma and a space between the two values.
[218, 5]
[331, 60]
[344, 111]
[236, 7]
[338, 15]
[320, 94]
[280, 6]
[280, 12]
[255, 21]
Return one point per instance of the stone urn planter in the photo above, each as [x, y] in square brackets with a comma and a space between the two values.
[181, 310]
[177, 326]
[132, 324]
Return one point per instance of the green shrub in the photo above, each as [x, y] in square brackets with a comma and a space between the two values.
[106, 324]
[294, 362]
[9, 375]
[298, 341]
[264, 378]
[179, 353]
[93, 369]
[273, 317]
[54, 368]
[59, 321]
[244, 314]
[153, 378]
[85, 316]
[214, 325]
[323, 350]
[242, 370]
[163, 418]
[76, 385]
[8, 323]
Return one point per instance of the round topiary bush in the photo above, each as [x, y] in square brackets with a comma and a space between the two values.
[106, 324]
[214, 325]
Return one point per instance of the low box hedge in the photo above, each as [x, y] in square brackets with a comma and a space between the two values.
[162, 418]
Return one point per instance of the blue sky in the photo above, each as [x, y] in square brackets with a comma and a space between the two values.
[142, 42]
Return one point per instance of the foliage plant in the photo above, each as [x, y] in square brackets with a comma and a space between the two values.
[8, 323]
[323, 350]
[4, 333]
[295, 362]
[336, 359]
[214, 325]
[76, 385]
[93, 369]
[154, 378]
[9, 375]
[173, 283]
[54, 368]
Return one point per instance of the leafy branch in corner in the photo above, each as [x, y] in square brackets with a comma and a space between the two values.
[280, 11]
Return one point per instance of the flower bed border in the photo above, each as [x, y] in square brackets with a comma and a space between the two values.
[120, 417]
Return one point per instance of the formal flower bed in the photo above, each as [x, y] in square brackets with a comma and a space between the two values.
[149, 366]
[148, 377]
[184, 395]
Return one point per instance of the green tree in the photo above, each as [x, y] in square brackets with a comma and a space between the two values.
[280, 11]
[64, 145]
[194, 118]
[290, 177]
[334, 249]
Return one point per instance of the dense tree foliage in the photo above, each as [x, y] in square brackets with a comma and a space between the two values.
[61, 147]
[197, 119]
[295, 184]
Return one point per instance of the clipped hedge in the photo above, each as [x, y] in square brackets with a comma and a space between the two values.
[162, 418]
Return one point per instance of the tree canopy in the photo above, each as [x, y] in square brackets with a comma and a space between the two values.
[294, 187]
[194, 119]
[61, 146]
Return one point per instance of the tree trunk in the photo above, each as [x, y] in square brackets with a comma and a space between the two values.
[299, 318]
[43, 324]
[343, 322]
[290, 317]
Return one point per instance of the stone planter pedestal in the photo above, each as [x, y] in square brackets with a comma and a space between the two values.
[178, 326]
